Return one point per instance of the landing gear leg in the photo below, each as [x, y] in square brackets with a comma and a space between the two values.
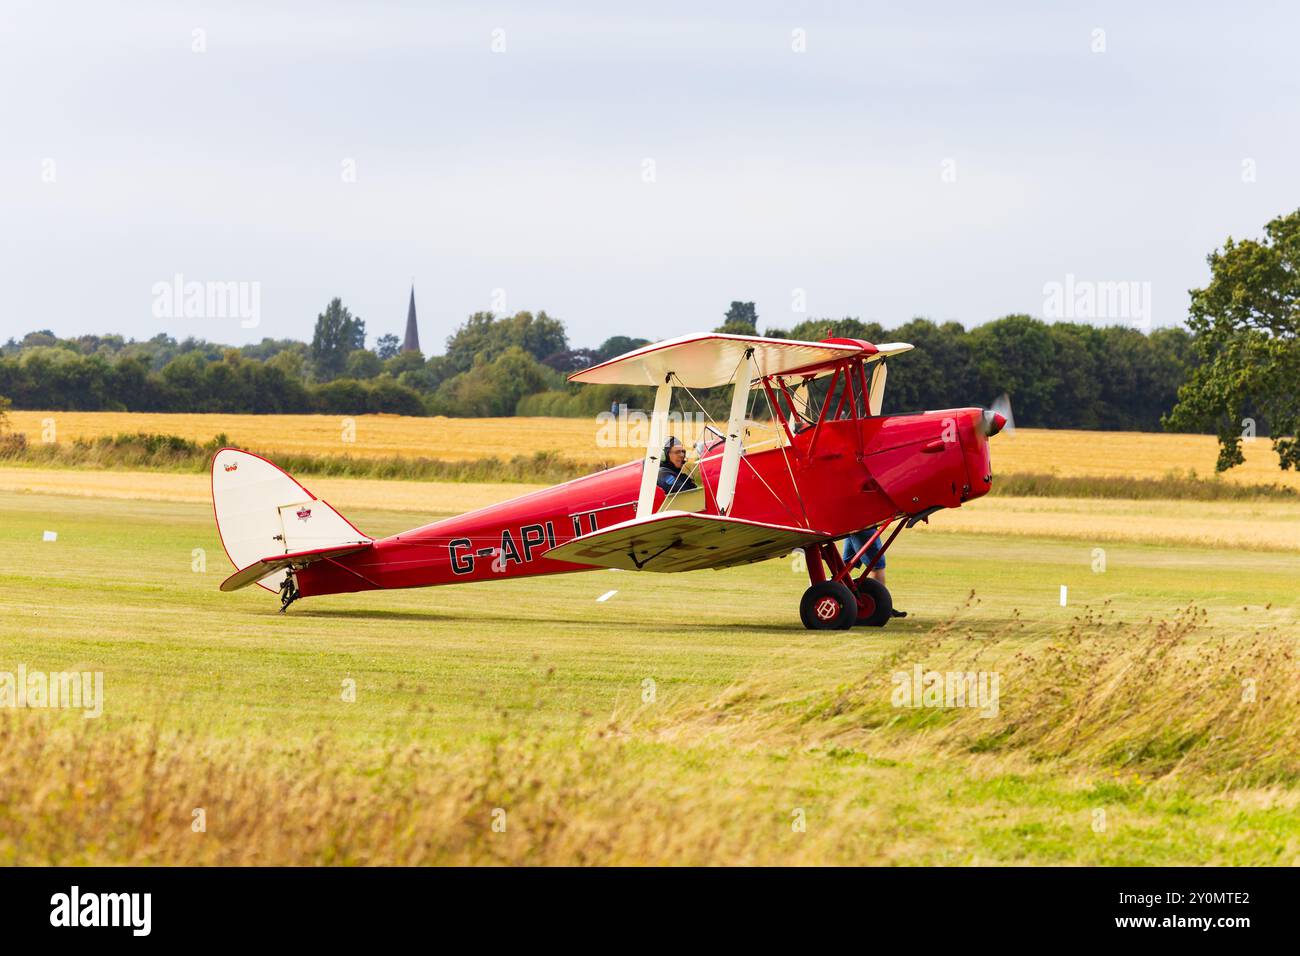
[871, 604]
[288, 591]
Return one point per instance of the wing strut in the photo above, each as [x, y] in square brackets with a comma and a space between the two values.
[735, 432]
[654, 449]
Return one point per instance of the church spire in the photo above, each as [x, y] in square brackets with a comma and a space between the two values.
[412, 341]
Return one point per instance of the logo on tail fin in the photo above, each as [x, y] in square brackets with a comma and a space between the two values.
[233, 466]
[303, 514]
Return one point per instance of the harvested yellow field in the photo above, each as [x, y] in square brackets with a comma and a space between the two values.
[368, 436]
[1132, 454]
[1064, 452]
[1225, 524]
[362, 436]
[423, 497]
[1264, 525]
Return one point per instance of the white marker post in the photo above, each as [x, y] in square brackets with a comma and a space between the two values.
[1063, 590]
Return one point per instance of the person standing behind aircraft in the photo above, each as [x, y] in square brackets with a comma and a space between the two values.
[853, 544]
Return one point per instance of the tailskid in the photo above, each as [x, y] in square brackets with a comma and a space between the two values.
[288, 591]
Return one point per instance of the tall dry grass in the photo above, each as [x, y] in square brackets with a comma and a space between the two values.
[1169, 487]
[94, 796]
[1170, 699]
[1165, 699]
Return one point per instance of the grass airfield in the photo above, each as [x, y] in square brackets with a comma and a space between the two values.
[686, 719]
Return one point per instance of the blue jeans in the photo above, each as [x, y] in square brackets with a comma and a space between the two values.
[854, 542]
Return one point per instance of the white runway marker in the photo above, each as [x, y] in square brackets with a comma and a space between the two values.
[605, 597]
[50, 536]
[1062, 595]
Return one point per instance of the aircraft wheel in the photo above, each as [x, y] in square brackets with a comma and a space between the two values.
[827, 606]
[875, 604]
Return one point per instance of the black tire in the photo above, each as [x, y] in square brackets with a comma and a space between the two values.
[828, 606]
[875, 603]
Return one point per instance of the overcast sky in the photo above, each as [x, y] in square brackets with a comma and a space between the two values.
[629, 172]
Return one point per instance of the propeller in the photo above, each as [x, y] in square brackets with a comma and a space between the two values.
[998, 418]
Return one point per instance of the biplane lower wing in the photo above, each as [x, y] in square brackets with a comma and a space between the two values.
[278, 562]
[680, 541]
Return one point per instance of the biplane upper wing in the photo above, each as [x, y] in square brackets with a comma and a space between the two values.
[882, 351]
[680, 541]
[264, 567]
[711, 359]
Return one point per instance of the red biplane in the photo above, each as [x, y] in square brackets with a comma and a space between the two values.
[836, 466]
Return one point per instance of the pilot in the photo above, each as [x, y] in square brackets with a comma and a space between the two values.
[671, 479]
[854, 542]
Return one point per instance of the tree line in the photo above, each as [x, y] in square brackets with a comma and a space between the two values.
[1060, 375]
[1233, 372]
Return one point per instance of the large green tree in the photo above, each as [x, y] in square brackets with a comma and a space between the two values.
[741, 319]
[1246, 324]
[814, 330]
[616, 345]
[483, 334]
[338, 332]
[494, 388]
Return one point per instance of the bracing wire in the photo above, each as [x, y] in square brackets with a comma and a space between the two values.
[775, 496]
[785, 456]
